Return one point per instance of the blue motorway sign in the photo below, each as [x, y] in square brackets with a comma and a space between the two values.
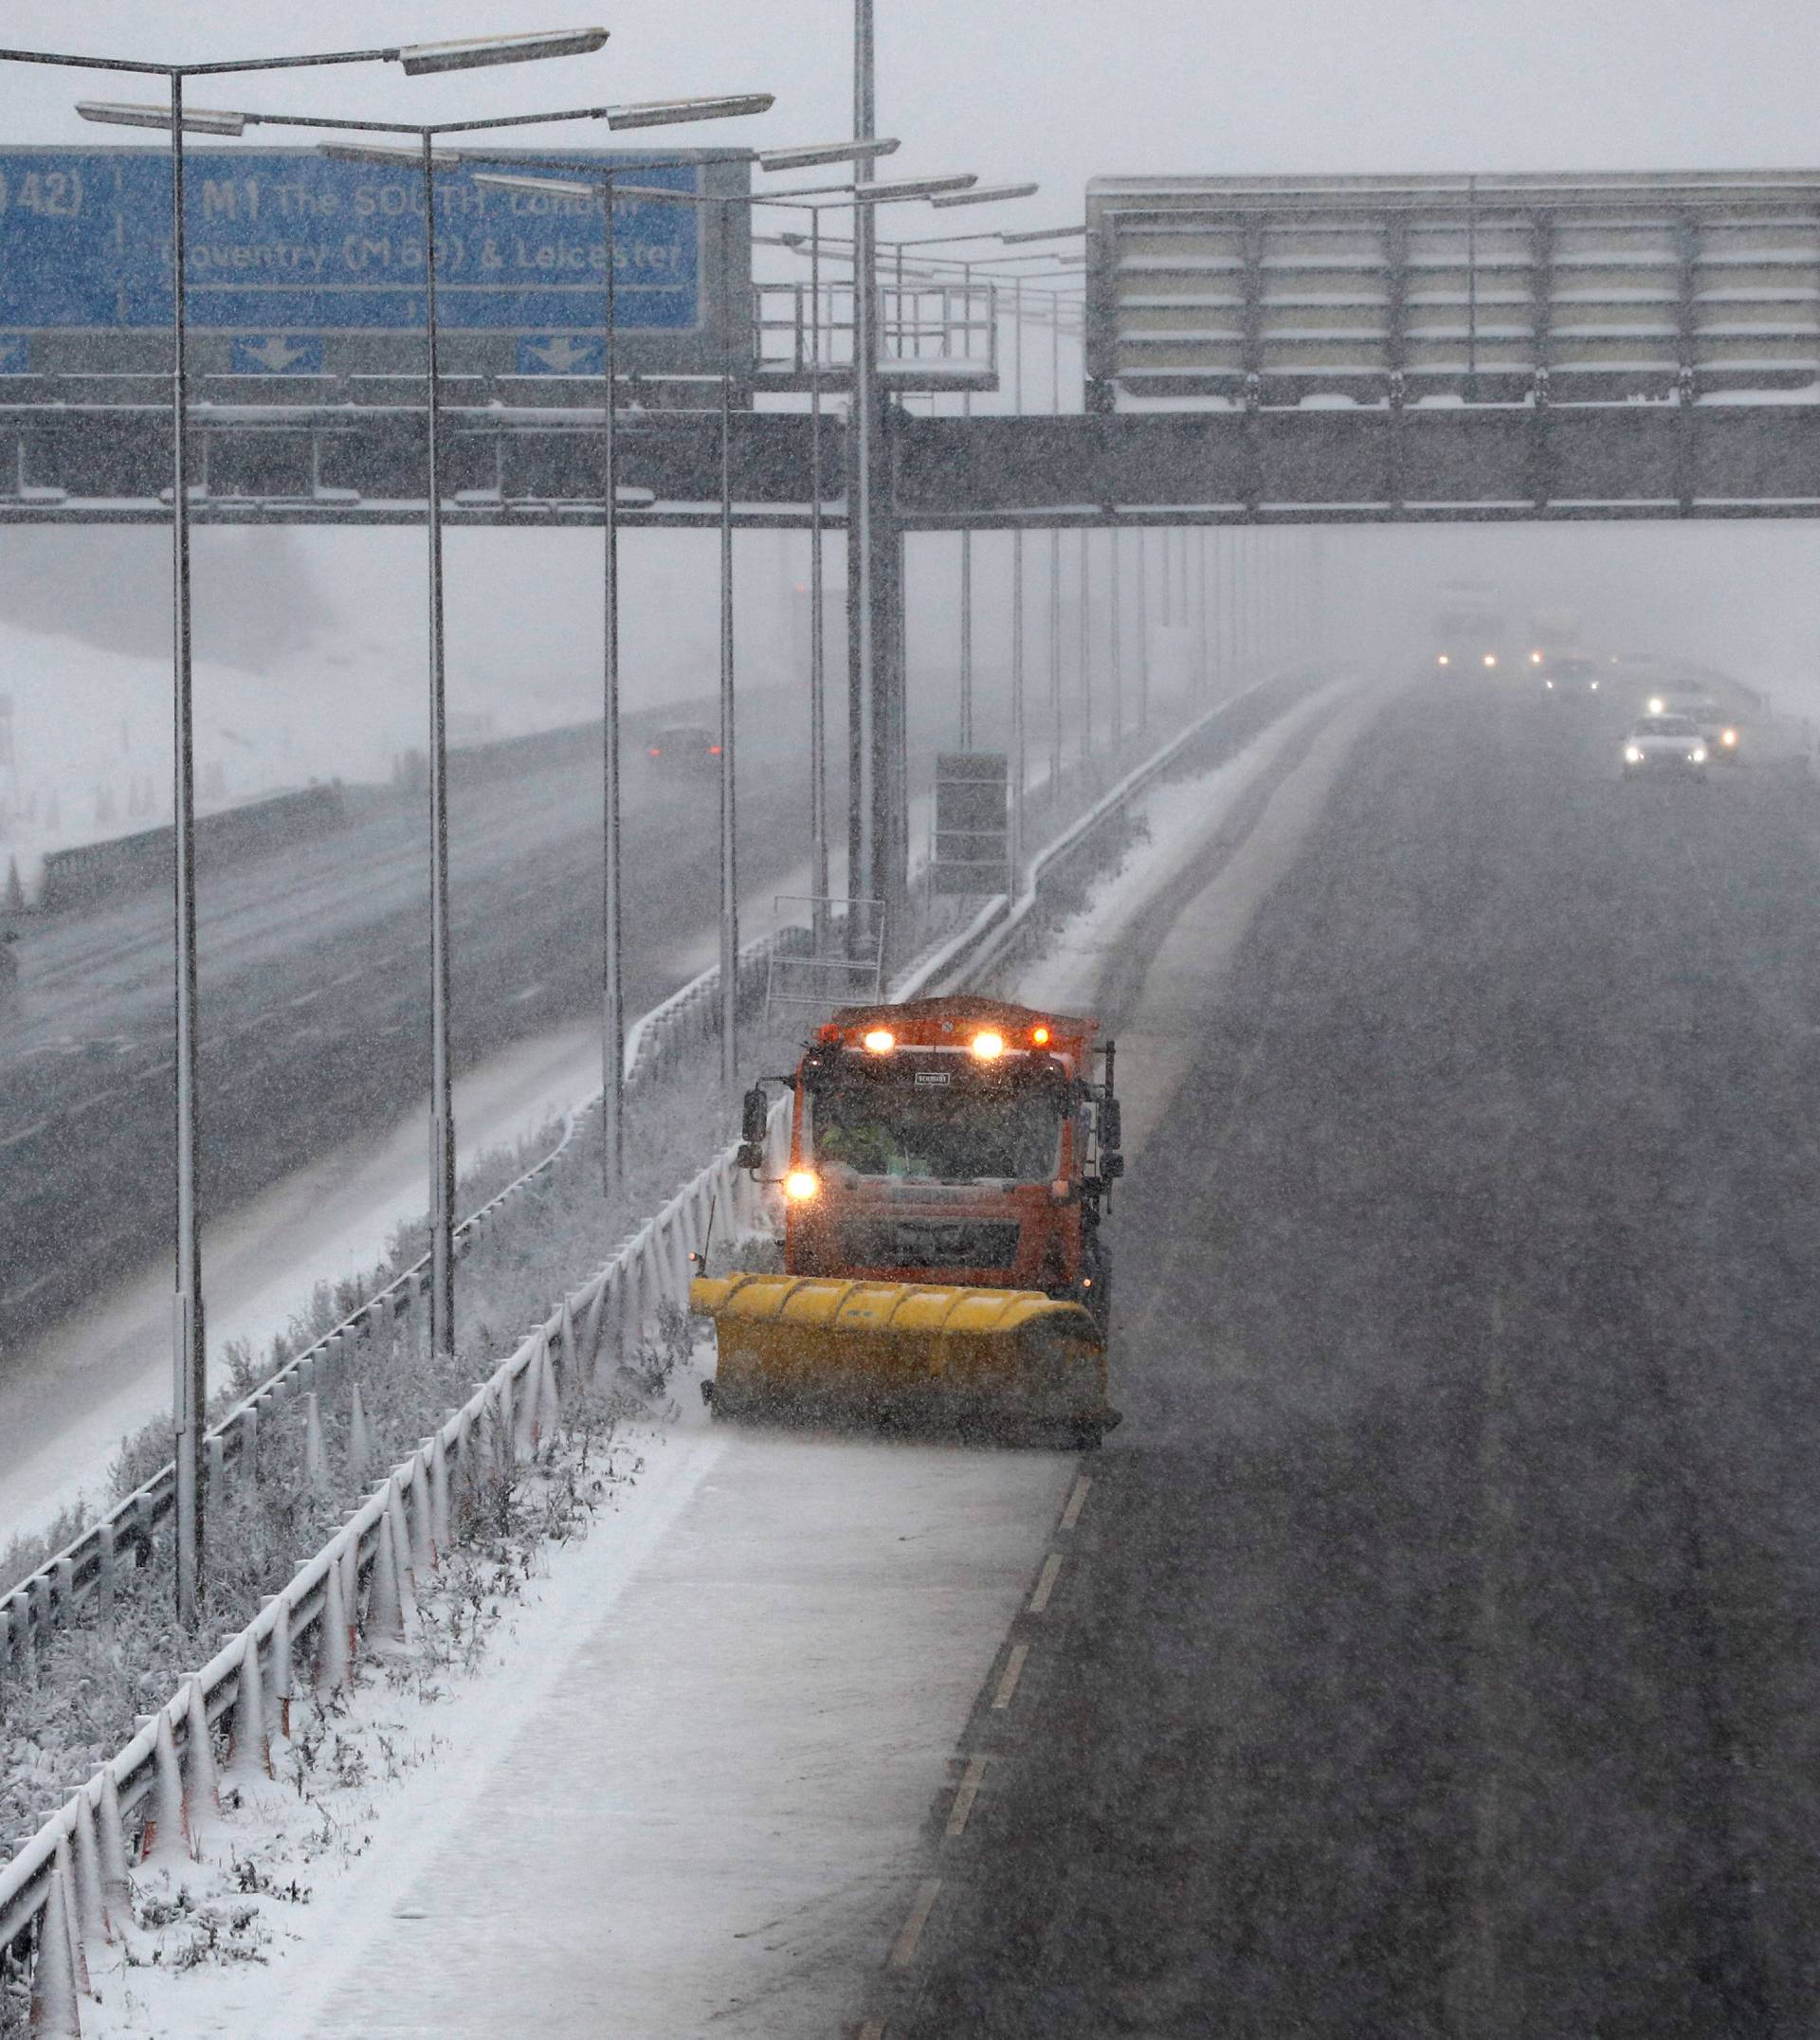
[285, 246]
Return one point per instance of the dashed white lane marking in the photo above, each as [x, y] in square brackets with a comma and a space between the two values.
[1013, 1672]
[1077, 1501]
[1046, 1582]
[903, 1950]
[964, 1799]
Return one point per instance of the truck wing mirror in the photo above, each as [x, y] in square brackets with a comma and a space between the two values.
[1112, 1166]
[756, 1119]
[1112, 1124]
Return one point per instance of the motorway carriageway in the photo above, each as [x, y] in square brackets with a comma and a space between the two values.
[710, 1788]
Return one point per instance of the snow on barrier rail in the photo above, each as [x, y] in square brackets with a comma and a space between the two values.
[364, 1580]
[362, 1583]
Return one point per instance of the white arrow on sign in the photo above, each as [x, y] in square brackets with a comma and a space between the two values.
[274, 352]
[560, 352]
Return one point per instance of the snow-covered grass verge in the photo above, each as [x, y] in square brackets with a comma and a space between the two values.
[340, 1754]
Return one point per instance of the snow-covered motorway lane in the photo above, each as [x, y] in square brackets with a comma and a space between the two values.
[312, 1003]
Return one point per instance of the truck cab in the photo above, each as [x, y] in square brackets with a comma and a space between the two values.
[955, 1141]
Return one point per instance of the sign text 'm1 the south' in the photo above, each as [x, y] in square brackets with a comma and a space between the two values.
[283, 245]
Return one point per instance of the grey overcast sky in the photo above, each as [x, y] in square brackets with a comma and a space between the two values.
[1067, 88]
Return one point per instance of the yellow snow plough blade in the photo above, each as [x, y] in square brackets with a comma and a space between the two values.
[812, 1347]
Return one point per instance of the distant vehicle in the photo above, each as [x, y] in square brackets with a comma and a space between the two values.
[1570, 677]
[1469, 628]
[1718, 729]
[1660, 745]
[684, 750]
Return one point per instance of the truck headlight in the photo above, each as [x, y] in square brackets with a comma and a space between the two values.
[1698, 754]
[800, 1185]
[1632, 755]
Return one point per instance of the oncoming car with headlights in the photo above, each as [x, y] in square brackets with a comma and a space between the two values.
[1664, 745]
[1716, 728]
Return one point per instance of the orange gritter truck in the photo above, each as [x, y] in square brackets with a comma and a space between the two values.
[950, 1161]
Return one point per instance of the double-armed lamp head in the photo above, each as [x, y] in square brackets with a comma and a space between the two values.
[478, 52]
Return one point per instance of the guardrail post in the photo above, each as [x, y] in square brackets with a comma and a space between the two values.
[283, 1675]
[570, 1381]
[440, 1525]
[54, 2012]
[167, 1832]
[359, 1442]
[199, 1746]
[103, 1574]
[249, 1754]
[386, 1604]
[590, 1330]
[65, 1874]
[334, 1639]
[92, 1923]
[117, 1881]
[316, 1469]
[422, 1540]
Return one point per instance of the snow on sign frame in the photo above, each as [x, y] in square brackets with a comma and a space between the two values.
[301, 267]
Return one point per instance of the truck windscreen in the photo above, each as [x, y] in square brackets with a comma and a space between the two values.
[950, 1133]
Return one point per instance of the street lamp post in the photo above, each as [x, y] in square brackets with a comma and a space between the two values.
[1144, 630]
[869, 860]
[1203, 669]
[1055, 565]
[1017, 611]
[1117, 649]
[1086, 645]
[966, 561]
[189, 1331]
[817, 634]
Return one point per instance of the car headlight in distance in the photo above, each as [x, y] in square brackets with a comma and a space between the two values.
[1444, 659]
[1632, 755]
[1491, 658]
[1549, 684]
[1594, 685]
[1698, 754]
[1728, 738]
[1655, 704]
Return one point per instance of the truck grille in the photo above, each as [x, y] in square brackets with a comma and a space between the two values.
[926, 1243]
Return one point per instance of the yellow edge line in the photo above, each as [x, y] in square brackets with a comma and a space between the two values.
[903, 1950]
